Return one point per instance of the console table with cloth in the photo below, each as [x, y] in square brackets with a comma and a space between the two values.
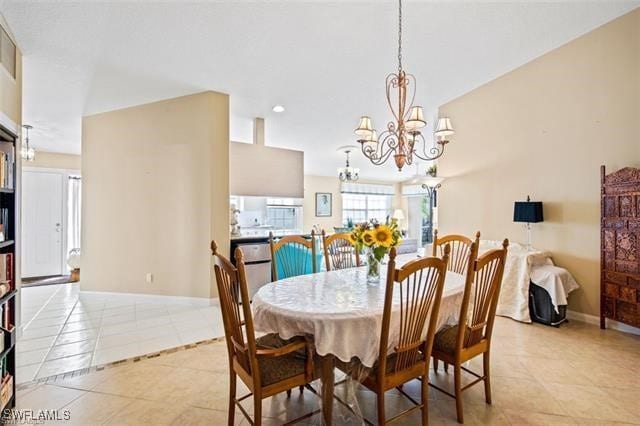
[343, 313]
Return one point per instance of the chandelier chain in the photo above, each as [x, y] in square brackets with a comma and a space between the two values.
[399, 36]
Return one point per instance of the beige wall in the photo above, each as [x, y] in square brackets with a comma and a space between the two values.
[11, 89]
[155, 192]
[258, 170]
[313, 184]
[55, 160]
[544, 129]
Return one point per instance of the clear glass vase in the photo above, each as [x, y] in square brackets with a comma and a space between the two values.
[373, 267]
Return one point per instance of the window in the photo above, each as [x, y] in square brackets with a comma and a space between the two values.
[362, 207]
[283, 202]
[427, 221]
[284, 213]
[420, 223]
[282, 217]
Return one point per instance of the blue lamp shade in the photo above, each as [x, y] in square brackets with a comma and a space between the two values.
[527, 211]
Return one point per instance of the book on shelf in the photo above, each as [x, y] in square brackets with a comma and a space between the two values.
[6, 391]
[4, 224]
[7, 165]
[6, 268]
[3, 368]
[5, 287]
[5, 318]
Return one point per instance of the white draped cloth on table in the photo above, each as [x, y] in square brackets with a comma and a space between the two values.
[341, 310]
[514, 293]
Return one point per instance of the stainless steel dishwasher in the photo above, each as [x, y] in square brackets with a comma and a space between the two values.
[257, 264]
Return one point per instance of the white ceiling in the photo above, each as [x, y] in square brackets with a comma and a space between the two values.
[325, 62]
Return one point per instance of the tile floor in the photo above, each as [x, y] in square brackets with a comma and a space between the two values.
[540, 376]
[65, 329]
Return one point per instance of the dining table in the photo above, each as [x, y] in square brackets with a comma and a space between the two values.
[342, 312]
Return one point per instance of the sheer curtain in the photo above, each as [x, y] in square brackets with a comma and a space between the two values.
[73, 221]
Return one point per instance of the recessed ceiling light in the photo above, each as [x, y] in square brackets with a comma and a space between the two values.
[278, 108]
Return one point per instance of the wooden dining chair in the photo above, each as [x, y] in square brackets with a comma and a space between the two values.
[456, 345]
[339, 251]
[460, 249]
[418, 288]
[267, 365]
[292, 255]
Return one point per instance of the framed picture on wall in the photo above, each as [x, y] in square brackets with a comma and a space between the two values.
[323, 204]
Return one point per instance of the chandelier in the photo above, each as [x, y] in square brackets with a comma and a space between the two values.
[348, 173]
[27, 152]
[403, 137]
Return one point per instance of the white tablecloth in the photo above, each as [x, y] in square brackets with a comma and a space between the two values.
[341, 310]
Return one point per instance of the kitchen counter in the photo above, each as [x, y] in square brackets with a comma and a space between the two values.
[262, 236]
[250, 238]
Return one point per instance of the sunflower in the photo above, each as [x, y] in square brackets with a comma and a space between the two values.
[383, 236]
[369, 237]
[353, 237]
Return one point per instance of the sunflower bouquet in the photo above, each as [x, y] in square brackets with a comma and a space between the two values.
[375, 239]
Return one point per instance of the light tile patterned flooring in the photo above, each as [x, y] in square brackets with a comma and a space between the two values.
[540, 375]
[65, 329]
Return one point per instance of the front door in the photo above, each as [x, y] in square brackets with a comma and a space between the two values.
[42, 233]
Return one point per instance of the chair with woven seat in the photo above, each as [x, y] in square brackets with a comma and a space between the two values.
[339, 251]
[418, 288]
[460, 249]
[456, 345]
[267, 365]
[292, 255]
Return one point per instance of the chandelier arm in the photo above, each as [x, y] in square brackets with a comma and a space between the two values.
[433, 153]
[392, 82]
[409, 159]
[387, 144]
[413, 95]
[374, 153]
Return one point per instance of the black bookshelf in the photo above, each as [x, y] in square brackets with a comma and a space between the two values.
[8, 201]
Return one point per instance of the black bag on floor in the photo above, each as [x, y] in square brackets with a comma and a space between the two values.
[541, 309]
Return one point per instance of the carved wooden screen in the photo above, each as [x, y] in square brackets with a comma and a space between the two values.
[620, 247]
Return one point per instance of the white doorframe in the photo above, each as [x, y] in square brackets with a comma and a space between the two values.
[65, 205]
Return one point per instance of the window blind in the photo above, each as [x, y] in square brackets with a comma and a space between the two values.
[366, 188]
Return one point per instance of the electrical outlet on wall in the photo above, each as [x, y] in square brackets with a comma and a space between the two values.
[149, 277]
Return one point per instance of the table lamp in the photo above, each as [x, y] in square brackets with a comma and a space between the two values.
[398, 215]
[528, 212]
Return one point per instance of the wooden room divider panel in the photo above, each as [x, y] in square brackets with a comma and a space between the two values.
[620, 247]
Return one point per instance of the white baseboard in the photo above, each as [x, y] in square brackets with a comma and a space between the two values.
[204, 301]
[612, 324]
